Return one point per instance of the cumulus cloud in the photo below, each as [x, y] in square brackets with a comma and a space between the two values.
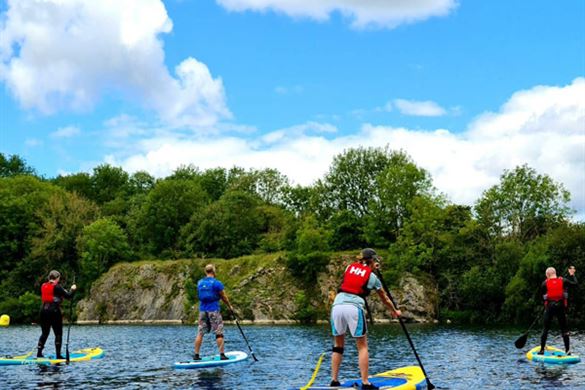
[361, 13]
[543, 127]
[66, 132]
[57, 55]
[419, 108]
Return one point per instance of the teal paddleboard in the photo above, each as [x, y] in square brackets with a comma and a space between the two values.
[81, 355]
[552, 355]
[212, 361]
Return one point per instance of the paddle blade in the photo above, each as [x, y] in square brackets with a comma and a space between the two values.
[521, 342]
[254, 357]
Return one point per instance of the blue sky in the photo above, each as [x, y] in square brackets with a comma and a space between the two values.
[467, 88]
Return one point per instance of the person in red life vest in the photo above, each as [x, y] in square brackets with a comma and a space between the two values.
[555, 301]
[348, 313]
[52, 294]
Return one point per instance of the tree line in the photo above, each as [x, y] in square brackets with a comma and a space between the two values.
[487, 259]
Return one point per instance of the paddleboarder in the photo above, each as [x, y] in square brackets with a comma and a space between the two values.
[52, 294]
[555, 297]
[210, 291]
[348, 312]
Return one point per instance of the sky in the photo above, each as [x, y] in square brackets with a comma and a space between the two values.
[468, 89]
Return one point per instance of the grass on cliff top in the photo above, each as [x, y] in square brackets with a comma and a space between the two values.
[229, 271]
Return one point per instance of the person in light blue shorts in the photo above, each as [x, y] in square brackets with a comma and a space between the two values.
[348, 312]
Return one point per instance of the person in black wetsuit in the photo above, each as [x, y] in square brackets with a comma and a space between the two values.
[555, 296]
[52, 294]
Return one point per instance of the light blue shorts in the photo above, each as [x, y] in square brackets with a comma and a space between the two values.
[347, 316]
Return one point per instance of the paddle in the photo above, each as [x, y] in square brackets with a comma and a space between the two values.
[243, 335]
[430, 386]
[521, 342]
[69, 327]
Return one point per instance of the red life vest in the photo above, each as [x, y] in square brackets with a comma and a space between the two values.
[355, 279]
[554, 289]
[555, 292]
[47, 290]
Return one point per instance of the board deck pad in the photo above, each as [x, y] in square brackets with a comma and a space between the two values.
[403, 378]
[552, 355]
[212, 361]
[49, 359]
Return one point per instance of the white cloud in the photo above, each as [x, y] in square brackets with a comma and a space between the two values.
[57, 55]
[33, 142]
[419, 108]
[543, 127]
[362, 13]
[66, 132]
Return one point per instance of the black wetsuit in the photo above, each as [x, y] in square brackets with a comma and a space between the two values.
[558, 309]
[51, 317]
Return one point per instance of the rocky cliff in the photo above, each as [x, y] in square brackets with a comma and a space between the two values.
[260, 287]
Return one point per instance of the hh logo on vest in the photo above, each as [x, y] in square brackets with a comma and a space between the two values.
[357, 271]
[356, 279]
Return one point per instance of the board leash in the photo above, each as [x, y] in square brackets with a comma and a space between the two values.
[315, 372]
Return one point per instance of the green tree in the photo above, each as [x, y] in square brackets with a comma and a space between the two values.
[310, 255]
[21, 198]
[61, 222]
[397, 186]
[108, 183]
[167, 208]
[80, 183]
[14, 166]
[352, 180]
[100, 245]
[141, 182]
[524, 205]
[228, 228]
[214, 182]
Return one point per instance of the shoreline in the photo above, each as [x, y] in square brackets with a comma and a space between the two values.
[228, 322]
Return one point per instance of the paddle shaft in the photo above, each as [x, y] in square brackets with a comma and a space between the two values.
[243, 335]
[69, 327]
[429, 384]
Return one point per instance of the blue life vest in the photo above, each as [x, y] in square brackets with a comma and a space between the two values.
[206, 291]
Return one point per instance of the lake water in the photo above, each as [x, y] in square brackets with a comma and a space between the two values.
[140, 357]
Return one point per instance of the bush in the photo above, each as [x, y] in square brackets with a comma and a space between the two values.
[306, 267]
[306, 312]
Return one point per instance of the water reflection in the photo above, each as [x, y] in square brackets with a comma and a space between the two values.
[50, 377]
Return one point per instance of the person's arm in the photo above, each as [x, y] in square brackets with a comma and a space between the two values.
[570, 279]
[388, 303]
[543, 289]
[225, 299]
[61, 292]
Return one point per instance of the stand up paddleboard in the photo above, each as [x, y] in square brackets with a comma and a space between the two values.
[552, 355]
[77, 356]
[404, 378]
[213, 361]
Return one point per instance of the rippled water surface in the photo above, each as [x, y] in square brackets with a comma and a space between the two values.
[140, 357]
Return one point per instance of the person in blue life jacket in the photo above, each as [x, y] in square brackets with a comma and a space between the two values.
[210, 291]
[555, 295]
[348, 312]
[52, 294]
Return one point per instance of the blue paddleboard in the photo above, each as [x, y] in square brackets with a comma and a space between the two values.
[213, 361]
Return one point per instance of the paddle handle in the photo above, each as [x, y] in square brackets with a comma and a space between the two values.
[430, 386]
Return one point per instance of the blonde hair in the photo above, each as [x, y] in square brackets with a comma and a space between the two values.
[210, 269]
[550, 271]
